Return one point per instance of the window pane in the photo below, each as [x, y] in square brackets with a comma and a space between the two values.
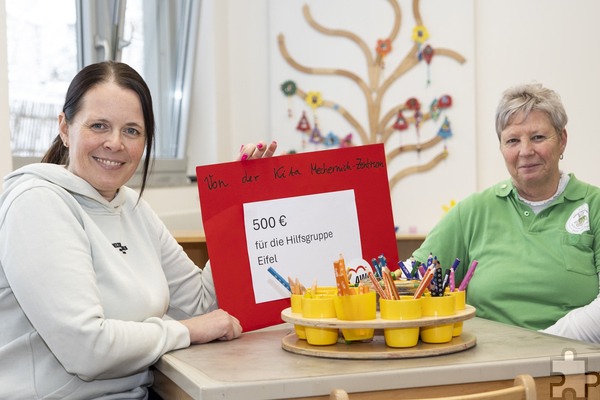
[44, 38]
[133, 34]
[158, 45]
[153, 54]
[42, 60]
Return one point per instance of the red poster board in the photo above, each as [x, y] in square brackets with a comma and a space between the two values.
[225, 188]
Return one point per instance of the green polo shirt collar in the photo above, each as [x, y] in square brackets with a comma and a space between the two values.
[575, 190]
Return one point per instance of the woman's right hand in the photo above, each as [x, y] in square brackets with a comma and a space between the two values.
[252, 151]
[215, 325]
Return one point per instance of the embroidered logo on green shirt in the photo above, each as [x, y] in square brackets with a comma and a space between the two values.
[579, 221]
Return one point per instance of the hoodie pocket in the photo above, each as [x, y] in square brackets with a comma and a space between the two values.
[52, 381]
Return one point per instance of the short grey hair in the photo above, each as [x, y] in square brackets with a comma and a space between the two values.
[525, 98]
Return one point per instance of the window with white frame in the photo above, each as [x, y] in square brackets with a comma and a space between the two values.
[48, 42]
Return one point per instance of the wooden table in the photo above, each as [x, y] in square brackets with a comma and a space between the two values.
[256, 367]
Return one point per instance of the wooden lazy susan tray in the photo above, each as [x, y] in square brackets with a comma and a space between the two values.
[376, 348]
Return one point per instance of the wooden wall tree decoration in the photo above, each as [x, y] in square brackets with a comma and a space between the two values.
[383, 124]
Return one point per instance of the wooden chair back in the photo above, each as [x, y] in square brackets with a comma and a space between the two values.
[523, 389]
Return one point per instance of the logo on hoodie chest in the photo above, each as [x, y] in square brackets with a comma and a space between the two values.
[122, 248]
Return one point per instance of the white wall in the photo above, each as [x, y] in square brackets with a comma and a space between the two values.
[418, 199]
[555, 42]
[231, 81]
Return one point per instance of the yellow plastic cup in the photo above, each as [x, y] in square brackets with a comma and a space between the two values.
[459, 304]
[356, 307]
[407, 308]
[323, 290]
[296, 300]
[437, 306]
[319, 306]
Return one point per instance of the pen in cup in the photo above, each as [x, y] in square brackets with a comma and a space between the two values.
[424, 283]
[279, 278]
[468, 276]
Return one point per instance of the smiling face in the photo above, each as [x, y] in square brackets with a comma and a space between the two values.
[106, 138]
[531, 149]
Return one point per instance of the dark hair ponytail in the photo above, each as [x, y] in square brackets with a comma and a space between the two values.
[57, 153]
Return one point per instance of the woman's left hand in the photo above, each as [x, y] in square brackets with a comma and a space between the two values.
[252, 151]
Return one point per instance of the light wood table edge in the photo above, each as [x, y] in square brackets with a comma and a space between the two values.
[168, 389]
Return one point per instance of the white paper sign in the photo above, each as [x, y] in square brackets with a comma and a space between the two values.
[300, 237]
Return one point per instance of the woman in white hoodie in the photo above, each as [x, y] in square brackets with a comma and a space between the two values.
[93, 287]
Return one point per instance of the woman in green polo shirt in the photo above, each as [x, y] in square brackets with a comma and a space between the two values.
[536, 235]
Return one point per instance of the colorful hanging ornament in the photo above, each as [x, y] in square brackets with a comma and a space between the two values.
[434, 110]
[314, 99]
[315, 135]
[418, 120]
[445, 132]
[384, 47]
[303, 124]
[331, 140]
[413, 104]
[401, 122]
[445, 101]
[347, 141]
[427, 56]
[289, 89]
[420, 36]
